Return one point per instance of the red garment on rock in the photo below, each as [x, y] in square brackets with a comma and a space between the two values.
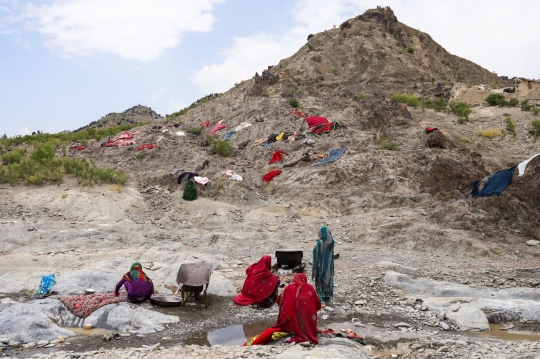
[270, 175]
[80, 148]
[297, 113]
[324, 128]
[121, 140]
[206, 124]
[277, 157]
[259, 284]
[316, 120]
[298, 309]
[218, 127]
[147, 145]
[431, 129]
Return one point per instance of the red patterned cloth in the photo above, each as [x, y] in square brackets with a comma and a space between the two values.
[277, 157]
[270, 175]
[148, 146]
[79, 148]
[259, 284]
[316, 120]
[324, 128]
[297, 113]
[431, 129]
[205, 124]
[84, 305]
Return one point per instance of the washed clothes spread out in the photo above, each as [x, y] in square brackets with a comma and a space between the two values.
[497, 183]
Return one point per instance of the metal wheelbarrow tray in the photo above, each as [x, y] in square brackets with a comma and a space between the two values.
[193, 278]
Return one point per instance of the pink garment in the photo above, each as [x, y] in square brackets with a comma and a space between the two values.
[219, 126]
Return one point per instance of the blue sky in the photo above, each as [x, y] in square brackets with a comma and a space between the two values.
[65, 63]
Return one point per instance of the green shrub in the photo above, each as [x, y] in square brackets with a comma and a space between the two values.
[409, 100]
[388, 144]
[362, 96]
[222, 148]
[535, 110]
[309, 36]
[140, 156]
[461, 120]
[335, 71]
[510, 126]
[293, 101]
[444, 78]
[196, 130]
[14, 156]
[535, 130]
[42, 165]
[439, 105]
[525, 105]
[496, 99]
[461, 109]
[513, 102]
[298, 80]
[410, 49]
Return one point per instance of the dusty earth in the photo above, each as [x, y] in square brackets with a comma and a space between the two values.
[422, 265]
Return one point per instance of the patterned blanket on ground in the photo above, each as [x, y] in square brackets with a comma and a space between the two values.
[84, 305]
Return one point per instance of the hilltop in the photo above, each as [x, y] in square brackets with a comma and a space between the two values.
[132, 115]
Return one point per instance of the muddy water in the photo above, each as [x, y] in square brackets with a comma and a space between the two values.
[84, 331]
[232, 335]
[497, 331]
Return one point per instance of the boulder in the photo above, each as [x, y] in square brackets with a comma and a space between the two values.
[35, 321]
[414, 272]
[468, 317]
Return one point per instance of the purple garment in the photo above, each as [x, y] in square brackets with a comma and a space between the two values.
[138, 291]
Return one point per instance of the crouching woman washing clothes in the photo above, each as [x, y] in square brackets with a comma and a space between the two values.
[261, 285]
[138, 286]
[323, 265]
[298, 307]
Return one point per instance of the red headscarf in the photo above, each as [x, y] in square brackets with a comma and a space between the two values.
[259, 284]
[299, 304]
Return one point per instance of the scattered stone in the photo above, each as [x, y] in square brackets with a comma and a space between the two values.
[444, 326]
[443, 349]
[402, 325]
[360, 302]
[455, 307]
[533, 242]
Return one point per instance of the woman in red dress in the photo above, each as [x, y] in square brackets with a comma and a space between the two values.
[298, 307]
[261, 285]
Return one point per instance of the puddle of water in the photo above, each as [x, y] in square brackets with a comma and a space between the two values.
[496, 331]
[84, 331]
[232, 335]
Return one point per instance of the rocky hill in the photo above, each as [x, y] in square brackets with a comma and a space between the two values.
[132, 115]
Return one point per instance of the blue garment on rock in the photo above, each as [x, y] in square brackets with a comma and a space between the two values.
[334, 155]
[497, 183]
[228, 135]
[47, 282]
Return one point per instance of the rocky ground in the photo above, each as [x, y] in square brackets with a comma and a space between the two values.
[402, 301]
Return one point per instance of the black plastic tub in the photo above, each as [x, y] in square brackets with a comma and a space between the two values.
[289, 257]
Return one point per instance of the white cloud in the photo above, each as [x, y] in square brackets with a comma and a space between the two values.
[24, 131]
[160, 93]
[131, 29]
[250, 54]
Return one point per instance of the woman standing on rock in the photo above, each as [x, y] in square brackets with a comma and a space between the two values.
[261, 285]
[138, 286]
[323, 265]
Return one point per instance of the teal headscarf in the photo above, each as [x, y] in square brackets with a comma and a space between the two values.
[323, 264]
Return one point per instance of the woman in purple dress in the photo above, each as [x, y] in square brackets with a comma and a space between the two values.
[138, 286]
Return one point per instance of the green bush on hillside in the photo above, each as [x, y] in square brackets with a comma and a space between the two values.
[409, 100]
[294, 102]
[14, 156]
[496, 99]
[461, 109]
[525, 105]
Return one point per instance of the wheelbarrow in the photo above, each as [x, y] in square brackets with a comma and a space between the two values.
[193, 279]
